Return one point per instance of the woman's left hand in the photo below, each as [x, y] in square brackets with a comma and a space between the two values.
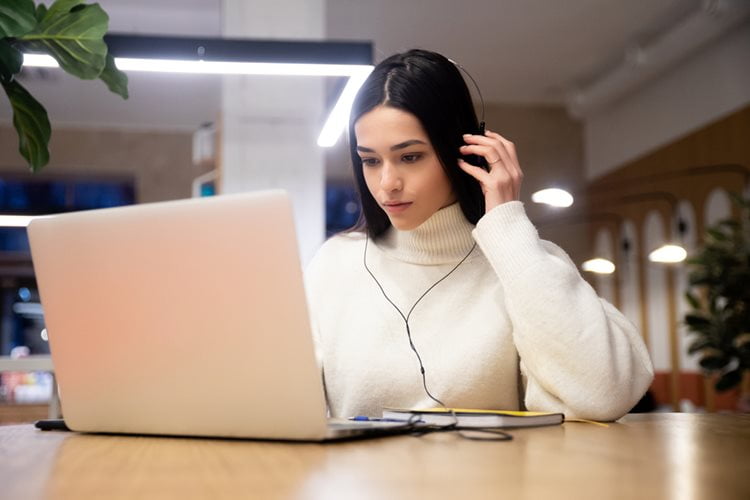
[503, 181]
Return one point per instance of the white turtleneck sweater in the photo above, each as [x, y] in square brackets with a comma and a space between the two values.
[513, 326]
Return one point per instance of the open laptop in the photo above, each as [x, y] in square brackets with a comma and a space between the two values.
[184, 318]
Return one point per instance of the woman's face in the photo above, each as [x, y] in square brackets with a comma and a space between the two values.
[401, 168]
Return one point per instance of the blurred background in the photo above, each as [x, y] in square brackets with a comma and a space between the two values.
[640, 110]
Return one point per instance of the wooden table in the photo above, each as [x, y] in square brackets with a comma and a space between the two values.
[658, 456]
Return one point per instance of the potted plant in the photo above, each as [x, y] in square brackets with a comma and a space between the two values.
[719, 294]
[70, 31]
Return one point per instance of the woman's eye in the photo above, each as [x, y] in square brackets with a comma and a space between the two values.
[412, 157]
[369, 161]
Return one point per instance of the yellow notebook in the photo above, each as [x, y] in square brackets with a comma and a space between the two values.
[477, 418]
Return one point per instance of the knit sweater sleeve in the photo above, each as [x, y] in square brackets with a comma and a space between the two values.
[579, 354]
[314, 284]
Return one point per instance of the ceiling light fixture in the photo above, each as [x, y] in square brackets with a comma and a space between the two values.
[339, 116]
[599, 266]
[218, 56]
[554, 197]
[668, 254]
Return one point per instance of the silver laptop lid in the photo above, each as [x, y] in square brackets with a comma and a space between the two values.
[184, 318]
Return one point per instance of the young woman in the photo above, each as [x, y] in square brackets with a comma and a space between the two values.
[445, 295]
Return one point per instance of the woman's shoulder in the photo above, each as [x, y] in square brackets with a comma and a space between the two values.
[343, 242]
[335, 252]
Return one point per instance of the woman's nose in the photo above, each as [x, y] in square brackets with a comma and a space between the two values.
[390, 179]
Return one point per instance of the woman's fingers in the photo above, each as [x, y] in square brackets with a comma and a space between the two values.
[478, 173]
[479, 139]
[503, 181]
[508, 147]
[484, 151]
[494, 148]
[513, 165]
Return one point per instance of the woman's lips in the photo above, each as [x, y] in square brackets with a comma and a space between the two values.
[395, 208]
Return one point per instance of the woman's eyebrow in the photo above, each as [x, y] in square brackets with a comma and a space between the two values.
[406, 144]
[400, 145]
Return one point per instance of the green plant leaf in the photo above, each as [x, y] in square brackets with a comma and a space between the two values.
[700, 279]
[694, 261]
[692, 300]
[732, 224]
[744, 354]
[11, 61]
[73, 37]
[696, 321]
[717, 234]
[742, 340]
[31, 123]
[721, 269]
[714, 362]
[41, 11]
[61, 8]
[729, 380]
[739, 200]
[116, 80]
[700, 344]
[16, 17]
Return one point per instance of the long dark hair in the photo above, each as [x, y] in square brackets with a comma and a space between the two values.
[430, 87]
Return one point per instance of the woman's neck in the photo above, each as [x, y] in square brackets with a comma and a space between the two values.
[443, 238]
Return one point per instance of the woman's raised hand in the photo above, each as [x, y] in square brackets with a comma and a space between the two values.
[502, 183]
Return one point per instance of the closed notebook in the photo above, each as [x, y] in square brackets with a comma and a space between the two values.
[477, 418]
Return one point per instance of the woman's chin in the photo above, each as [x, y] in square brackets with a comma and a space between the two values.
[403, 224]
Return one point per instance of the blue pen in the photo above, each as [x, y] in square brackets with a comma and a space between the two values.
[364, 418]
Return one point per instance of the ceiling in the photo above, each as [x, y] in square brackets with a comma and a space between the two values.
[519, 51]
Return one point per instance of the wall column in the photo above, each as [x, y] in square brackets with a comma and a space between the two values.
[270, 124]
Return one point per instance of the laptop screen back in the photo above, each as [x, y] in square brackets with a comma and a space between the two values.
[182, 318]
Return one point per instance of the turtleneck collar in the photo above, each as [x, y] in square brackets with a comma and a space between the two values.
[443, 238]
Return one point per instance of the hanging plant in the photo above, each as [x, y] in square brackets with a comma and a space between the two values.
[70, 31]
[719, 294]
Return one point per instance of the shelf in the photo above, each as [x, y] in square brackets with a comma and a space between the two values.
[27, 364]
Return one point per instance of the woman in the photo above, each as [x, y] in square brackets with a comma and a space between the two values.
[445, 295]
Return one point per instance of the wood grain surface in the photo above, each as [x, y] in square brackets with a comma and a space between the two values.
[655, 456]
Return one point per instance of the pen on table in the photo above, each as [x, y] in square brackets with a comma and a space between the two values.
[364, 418]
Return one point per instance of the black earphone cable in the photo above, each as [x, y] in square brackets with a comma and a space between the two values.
[407, 316]
[481, 434]
[476, 86]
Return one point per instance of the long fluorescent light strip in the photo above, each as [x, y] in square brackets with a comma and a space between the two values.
[215, 67]
[339, 115]
[336, 121]
[233, 68]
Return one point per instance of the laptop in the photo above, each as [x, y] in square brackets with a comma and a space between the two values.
[184, 318]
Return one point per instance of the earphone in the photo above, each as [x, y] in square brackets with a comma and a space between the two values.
[408, 315]
[475, 160]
